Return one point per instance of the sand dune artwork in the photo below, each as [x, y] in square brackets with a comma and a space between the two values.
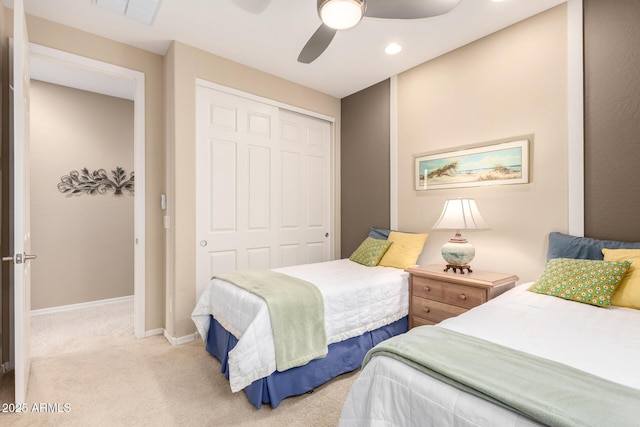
[491, 164]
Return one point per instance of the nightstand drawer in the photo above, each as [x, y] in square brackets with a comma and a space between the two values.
[450, 293]
[433, 311]
[419, 321]
[437, 294]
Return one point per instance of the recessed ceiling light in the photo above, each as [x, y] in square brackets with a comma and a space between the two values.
[497, 1]
[392, 49]
[140, 10]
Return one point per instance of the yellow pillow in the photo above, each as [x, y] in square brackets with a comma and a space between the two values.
[628, 292]
[405, 250]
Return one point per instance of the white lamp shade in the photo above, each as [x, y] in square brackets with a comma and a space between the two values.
[341, 14]
[460, 214]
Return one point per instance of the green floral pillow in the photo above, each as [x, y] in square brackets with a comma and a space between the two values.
[582, 280]
[370, 252]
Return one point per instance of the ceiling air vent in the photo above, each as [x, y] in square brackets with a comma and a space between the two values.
[140, 10]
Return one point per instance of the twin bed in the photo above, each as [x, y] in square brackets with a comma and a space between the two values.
[525, 358]
[362, 305]
[602, 342]
[521, 359]
[362, 301]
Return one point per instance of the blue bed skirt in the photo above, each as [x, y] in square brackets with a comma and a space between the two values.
[345, 356]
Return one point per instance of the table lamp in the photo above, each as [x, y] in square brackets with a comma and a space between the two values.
[459, 214]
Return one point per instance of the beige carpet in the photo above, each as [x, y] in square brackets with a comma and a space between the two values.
[89, 361]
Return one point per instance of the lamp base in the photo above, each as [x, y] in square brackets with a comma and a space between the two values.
[457, 252]
[458, 267]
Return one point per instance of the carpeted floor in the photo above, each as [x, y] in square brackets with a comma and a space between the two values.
[87, 365]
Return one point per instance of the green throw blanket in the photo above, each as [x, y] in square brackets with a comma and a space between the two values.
[546, 391]
[296, 309]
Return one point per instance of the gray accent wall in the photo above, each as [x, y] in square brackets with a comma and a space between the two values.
[612, 119]
[365, 162]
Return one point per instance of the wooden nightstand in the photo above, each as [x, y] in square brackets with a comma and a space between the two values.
[437, 295]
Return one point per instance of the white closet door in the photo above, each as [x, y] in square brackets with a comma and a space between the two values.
[262, 186]
[305, 167]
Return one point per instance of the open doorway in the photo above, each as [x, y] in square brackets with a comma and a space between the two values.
[50, 65]
[61, 69]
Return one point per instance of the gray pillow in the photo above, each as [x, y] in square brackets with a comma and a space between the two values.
[567, 246]
[379, 233]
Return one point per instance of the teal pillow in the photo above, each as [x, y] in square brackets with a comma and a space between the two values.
[582, 280]
[370, 252]
[379, 233]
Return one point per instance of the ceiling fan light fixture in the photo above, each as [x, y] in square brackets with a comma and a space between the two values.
[341, 14]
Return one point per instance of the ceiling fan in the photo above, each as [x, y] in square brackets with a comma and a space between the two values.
[342, 14]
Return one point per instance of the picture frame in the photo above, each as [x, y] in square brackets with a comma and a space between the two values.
[496, 163]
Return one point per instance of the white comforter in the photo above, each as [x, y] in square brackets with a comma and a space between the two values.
[357, 299]
[604, 342]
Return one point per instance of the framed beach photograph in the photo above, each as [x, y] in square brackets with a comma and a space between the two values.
[492, 164]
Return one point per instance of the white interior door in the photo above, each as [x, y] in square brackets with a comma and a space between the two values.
[20, 199]
[263, 193]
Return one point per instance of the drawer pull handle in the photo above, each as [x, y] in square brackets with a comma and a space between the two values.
[426, 309]
[463, 297]
[427, 289]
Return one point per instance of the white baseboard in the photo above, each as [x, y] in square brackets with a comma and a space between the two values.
[70, 307]
[180, 340]
[152, 332]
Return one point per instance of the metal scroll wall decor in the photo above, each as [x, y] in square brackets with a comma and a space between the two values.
[97, 182]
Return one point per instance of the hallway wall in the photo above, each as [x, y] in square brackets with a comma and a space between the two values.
[84, 242]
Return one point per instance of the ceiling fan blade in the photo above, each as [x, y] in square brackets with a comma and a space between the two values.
[408, 9]
[253, 6]
[316, 44]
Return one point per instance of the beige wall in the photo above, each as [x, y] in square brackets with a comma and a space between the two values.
[84, 242]
[183, 65]
[64, 38]
[511, 83]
